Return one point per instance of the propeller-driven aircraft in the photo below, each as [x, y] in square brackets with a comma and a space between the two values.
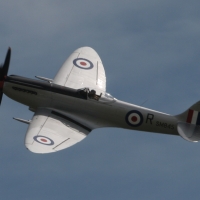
[68, 107]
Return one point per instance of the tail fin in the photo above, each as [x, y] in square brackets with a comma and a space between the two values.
[189, 123]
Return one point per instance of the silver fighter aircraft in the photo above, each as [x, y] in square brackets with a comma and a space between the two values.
[68, 107]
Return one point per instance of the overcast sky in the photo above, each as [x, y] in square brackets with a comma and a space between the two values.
[150, 51]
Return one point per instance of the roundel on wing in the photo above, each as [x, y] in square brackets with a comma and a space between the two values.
[83, 63]
[43, 140]
[134, 118]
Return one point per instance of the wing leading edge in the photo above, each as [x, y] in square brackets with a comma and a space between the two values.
[50, 131]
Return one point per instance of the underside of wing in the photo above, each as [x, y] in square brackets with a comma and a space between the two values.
[51, 131]
[82, 69]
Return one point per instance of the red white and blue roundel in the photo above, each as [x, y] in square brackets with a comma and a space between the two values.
[43, 140]
[134, 118]
[83, 63]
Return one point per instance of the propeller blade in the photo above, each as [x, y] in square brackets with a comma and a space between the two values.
[5, 68]
[3, 72]
[1, 95]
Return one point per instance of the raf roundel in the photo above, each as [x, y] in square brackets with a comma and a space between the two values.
[83, 63]
[43, 140]
[134, 118]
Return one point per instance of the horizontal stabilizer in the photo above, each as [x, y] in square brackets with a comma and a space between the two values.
[189, 132]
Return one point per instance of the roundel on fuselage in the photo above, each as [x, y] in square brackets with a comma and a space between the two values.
[134, 118]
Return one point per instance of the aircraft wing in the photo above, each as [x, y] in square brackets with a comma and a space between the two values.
[50, 131]
[82, 69]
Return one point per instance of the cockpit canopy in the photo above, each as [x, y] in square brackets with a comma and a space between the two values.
[91, 94]
[107, 98]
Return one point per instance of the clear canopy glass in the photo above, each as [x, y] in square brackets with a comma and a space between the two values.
[107, 98]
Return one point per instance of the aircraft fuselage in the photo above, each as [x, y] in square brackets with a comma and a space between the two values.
[89, 112]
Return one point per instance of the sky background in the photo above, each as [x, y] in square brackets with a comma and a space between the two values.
[150, 51]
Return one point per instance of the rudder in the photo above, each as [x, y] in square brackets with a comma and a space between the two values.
[188, 126]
